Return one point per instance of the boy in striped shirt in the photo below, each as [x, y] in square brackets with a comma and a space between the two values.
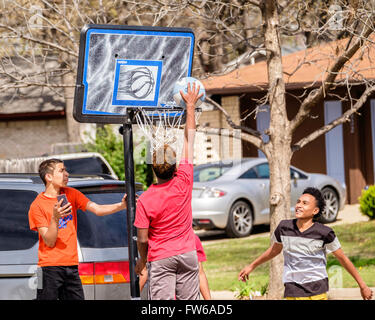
[305, 244]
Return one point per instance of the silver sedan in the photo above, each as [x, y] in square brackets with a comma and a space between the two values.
[234, 196]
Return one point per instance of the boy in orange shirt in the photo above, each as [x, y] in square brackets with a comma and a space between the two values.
[57, 228]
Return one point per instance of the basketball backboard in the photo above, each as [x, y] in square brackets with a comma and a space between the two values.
[122, 67]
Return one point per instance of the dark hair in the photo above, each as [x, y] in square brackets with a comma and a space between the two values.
[164, 162]
[320, 202]
[47, 166]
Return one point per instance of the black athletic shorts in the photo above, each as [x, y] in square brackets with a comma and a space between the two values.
[59, 283]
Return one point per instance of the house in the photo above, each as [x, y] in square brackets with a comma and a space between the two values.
[348, 151]
[33, 121]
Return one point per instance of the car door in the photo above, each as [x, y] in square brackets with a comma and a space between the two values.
[18, 246]
[256, 181]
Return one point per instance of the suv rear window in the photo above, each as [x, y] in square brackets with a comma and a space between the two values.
[92, 165]
[103, 232]
[15, 233]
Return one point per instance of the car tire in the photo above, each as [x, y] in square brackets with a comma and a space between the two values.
[240, 220]
[332, 206]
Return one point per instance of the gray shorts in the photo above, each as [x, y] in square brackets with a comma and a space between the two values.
[175, 277]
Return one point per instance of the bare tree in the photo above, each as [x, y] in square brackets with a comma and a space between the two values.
[40, 42]
[44, 35]
[351, 21]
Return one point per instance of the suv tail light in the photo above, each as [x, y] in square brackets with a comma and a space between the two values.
[104, 272]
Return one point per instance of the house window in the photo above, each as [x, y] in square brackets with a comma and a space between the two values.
[373, 132]
[263, 123]
[334, 142]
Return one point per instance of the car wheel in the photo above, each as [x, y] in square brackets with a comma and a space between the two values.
[332, 206]
[240, 220]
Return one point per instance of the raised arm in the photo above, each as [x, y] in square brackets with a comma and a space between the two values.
[190, 98]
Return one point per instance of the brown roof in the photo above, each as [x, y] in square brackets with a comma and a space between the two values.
[304, 68]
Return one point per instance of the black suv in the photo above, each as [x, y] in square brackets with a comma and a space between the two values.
[102, 241]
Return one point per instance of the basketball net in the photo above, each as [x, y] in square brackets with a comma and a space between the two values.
[161, 126]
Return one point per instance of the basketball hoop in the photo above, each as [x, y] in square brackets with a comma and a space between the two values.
[162, 126]
[124, 74]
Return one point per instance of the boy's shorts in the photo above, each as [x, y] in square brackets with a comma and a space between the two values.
[175, 277]
[59, 283]
[322, 296]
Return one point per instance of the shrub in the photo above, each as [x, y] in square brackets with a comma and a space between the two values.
[111, 146]
[248, 291]
[367, 202]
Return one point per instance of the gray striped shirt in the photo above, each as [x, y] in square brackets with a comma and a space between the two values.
[305, 257]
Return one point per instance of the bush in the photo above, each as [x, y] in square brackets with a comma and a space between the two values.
[111, 146]
[248, 291]
[367, 202]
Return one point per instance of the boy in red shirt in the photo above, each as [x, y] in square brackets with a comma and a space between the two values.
[58, 276]
[164, 220]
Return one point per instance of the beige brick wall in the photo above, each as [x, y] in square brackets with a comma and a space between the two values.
[232, 106]
[231, 148]
[30, 138]
[215, 147]
[211, 118]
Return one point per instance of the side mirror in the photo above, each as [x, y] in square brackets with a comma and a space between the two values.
[295, 175]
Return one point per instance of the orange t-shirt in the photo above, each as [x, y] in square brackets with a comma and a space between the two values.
[65, 252]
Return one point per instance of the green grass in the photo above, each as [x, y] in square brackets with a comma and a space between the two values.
[226, 258]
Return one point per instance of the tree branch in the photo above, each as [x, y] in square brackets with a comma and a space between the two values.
[230, 121]
[344, 118]
[238, 134]
[39, 41]
[316, 96]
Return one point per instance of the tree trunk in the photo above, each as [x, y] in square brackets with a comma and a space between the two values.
[73, 126]
[278, 150]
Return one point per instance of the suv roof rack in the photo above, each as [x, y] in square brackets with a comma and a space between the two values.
[35, 178]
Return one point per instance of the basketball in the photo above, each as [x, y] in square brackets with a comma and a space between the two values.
[182, 85]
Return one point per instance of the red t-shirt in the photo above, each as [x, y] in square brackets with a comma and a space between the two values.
[65, 252]
[200, 252]
[165, 210]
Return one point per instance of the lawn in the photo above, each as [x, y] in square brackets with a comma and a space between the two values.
[226, 258]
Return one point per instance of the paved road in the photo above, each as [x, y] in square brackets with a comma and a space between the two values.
[350, 214]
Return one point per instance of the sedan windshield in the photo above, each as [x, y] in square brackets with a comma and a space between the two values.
[208, 173]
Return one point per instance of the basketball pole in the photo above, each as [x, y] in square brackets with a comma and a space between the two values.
[130, 199]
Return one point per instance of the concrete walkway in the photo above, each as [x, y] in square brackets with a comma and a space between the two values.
[350, 214]
[333, 294]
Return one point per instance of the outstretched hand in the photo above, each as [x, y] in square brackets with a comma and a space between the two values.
[244, 273]
[192, 95]
[123, 202]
